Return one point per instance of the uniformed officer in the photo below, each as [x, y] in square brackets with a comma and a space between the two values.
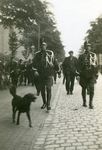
[70, 71]
[44, 64]
[88, 73]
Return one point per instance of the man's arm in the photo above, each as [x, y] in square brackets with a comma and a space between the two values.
[64, 66]
[34, 66]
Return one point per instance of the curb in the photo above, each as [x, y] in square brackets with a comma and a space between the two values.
[45, 129]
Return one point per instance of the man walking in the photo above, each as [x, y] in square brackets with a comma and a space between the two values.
[70, 71]
[44, 64]
[13, 71]
[20, 71]
[88, 73]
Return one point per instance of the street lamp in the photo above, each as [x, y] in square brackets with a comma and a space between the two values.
[38, 37]
[39, 32]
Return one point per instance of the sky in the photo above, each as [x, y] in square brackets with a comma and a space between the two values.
[73, 19]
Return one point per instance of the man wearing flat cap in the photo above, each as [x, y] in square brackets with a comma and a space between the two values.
[70, 71]
[44, 64]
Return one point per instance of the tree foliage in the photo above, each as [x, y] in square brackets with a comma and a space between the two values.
[13, 43]
[27, 16]
[95, 35]
[4, 57]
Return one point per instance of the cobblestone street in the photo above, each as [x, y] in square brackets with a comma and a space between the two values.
[68, 126]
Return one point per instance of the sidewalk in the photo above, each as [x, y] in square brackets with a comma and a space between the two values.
[69, 126]
[22, 137]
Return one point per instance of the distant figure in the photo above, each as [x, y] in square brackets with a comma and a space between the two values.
[70, 71]
[25, 71]
[55, 73]
[88, 74]
[13, 71]
[1, 73]
[44, 64]
[20, 71]
[29, 71]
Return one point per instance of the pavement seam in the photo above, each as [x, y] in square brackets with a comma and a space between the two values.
[47, 122]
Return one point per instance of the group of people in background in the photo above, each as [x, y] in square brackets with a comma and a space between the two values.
[19, 73]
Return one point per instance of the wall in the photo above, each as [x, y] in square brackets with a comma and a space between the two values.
[4, 35]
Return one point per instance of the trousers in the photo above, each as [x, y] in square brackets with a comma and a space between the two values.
[87, 84]
[46, 84]
[70, 82]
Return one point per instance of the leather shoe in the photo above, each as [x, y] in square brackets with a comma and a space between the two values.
[71, 93]
[91, 107]
[67, 92]
[43, 106]
[84, 105]
[48, 107]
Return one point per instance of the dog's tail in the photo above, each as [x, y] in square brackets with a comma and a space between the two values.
[13, 91]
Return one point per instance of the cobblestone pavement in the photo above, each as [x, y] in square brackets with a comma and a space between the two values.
[21, 137]
[69, 126]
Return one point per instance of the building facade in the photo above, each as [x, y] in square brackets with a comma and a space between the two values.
[4, 46]
[4, 35]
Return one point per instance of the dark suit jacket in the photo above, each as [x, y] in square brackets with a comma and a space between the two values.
[70, 65]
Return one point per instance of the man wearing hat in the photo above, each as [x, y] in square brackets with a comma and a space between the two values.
[70, 71]
[88, 73]
[44, 64]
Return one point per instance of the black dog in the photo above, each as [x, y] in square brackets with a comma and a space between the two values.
[21, 104]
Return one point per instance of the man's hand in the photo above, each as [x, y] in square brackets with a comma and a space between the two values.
[59, 73]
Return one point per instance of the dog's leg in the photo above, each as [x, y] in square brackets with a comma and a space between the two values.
[28, 115]
[13, 118]
[18, 117]
[13, 114]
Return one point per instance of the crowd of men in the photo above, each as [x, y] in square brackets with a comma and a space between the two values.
[41, 70]
[19, 73]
